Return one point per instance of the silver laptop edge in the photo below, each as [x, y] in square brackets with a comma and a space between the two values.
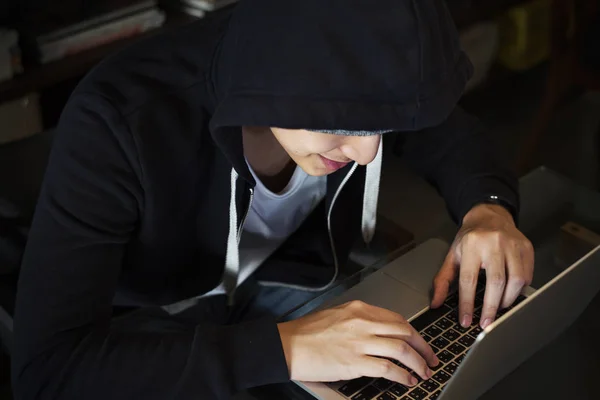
[518, 331]
[527, 328]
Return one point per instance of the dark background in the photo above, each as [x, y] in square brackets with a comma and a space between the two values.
[548, 114]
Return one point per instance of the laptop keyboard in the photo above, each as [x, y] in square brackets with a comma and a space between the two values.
[450, 342]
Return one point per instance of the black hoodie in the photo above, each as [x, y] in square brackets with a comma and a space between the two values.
[135, 205]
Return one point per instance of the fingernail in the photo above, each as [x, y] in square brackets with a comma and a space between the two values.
[486, 322]
[466, 320]
[413, 381]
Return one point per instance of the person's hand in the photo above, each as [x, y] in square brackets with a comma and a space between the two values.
[354, 340]
[488, 239]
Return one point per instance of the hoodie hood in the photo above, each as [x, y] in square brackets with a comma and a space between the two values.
[331, 65]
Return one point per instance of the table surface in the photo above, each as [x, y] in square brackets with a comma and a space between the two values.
[568, 367]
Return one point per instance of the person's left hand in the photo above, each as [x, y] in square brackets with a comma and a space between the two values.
[488, 239]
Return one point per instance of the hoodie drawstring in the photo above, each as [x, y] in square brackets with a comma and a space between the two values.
[369, 220]
[232, 256]
[371, 195]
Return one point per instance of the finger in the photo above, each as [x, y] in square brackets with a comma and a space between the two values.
[516, 276]
[469, 271]
[406, 332]
[494, 288]
[528, 259]
[443, 280]
[398, 350]
[382, 368]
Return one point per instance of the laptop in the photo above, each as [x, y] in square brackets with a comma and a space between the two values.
[472, 360]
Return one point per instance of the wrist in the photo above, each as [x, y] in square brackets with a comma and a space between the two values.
[487, 211]
[285, 336]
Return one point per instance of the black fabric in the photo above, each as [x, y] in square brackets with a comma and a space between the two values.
[134, 206]
[8, 292]
[591, 49]
[22, 167]
[461, 163]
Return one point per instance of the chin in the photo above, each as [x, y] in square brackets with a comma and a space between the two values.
[315, 171]
[320, 173]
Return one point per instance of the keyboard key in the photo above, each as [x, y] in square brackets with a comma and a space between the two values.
[426, 337]
[429, 317]
[367, 393]
[479, 299]
[442, 377]
[354, 386]
[386, 396]
[519, 299]
[433, 396]
[445, 356]
[451, 368]
[433, 331]
[475, 331]
[502, 312]
[440, 343]
[435, 349]
[430, 385]
[478, 306]
[452, 316]
[444, 323]
[466, 340]
[398, 390]
[418, 394]
[440, 365]
[382, 384]
[451, 335]
[452, 301]
[456, 348]
[417, 376]
[459, 328]
[459, 359]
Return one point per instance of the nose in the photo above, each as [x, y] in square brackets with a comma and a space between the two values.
[361, 149]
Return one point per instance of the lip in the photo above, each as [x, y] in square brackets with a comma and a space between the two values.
[333, 165]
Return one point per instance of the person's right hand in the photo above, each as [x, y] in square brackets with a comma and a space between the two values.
[354, 340]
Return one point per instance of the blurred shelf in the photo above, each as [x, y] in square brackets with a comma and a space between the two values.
[473, 11]
[39, 77]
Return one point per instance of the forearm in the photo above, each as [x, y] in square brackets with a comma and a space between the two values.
[66, 343]
[165, 360]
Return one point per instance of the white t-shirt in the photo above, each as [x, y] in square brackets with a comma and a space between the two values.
[273, 217]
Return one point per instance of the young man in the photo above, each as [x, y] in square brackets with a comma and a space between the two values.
[250, 145]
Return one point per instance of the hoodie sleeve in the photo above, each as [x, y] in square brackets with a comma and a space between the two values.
[458, 158]
[67, 346]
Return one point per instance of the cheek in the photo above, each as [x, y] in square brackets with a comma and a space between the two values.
[301, 144]
[313, 146]
[298, 149]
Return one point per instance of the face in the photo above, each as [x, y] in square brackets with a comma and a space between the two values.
[321, 154]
